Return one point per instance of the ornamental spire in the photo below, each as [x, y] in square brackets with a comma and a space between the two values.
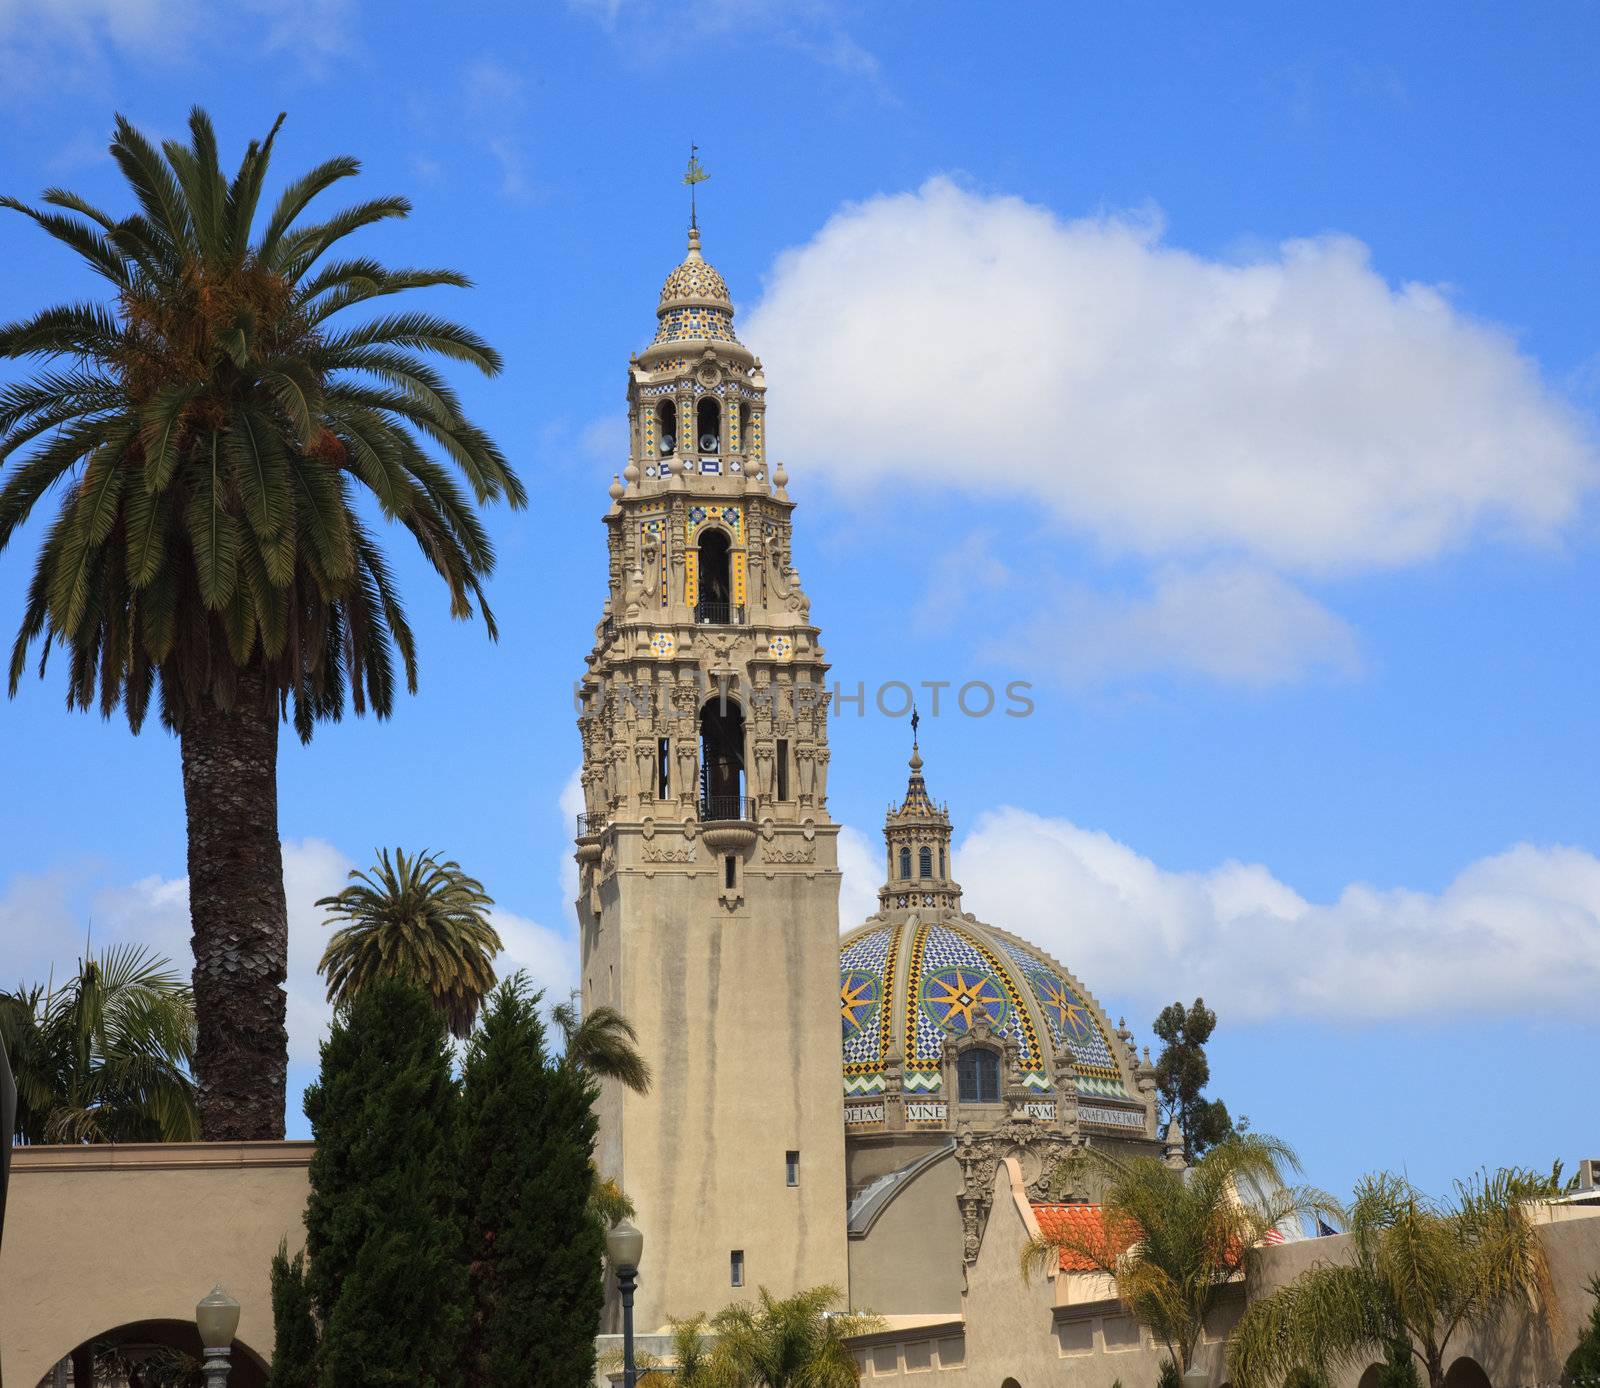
[693, 175]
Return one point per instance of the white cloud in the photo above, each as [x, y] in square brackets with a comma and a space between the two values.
[861, 866]
[1518, 932]
[1294, 410]
[1228, 623]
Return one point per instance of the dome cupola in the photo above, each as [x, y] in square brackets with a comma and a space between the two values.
[695, 305]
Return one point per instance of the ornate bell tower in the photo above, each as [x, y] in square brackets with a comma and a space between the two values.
[709, 884]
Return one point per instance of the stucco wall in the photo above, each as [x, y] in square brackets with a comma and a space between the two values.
[98, 1237]
[909, 1260]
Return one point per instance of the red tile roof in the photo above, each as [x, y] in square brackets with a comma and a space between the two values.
[1082, 1223]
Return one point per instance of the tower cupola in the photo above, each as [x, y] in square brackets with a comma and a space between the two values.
[917, 836]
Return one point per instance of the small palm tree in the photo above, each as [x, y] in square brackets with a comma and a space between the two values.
[209, 441]
[106, 1057]
[1419, 1271]
[602, 1042]
[417, 920]
[1173, 1238]
[786, 1342]
[692, 1359]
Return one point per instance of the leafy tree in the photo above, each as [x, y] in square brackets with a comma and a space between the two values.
[1182, 1072]
[104, 1058]
[692, 1363]
[784, 1342]
[1174, 1239]
[1583, 1364]
[1420, 1271]
[534, 1246]
[210, 434]
[421, 921]
[602, 1043]
[294, 1348]
[384, 1233]
[1399, 1366]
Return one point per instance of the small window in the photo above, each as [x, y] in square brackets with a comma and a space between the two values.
[667, 426]
[942, 872]
[664, 768]
[791, 1168]
[736, 1267]
[783, 768]
[905, 864]
[730, 871]
[925, 862]
[978, 1077]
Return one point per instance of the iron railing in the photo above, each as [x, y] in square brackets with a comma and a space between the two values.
[727, 807]
[593, 823]
[718, 614]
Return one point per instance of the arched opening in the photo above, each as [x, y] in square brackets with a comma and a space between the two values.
[924, 861]
[905, 864]
[1466, 1372]
[744, 426]
[1011, 1383]
[152, 1354]
[1371, 1376]
[708, 424]
[667, 426]
[722, 760]
[978, 1076]
[712, 606]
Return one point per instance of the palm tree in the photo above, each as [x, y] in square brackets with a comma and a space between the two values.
[603, 1042]
[1174, 1237]
[210, 432]
[106, 1057]
[418, 920]
[787, 1342]
[1418, 1271]
[692, 1363]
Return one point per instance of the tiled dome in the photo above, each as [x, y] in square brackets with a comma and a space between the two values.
[907, 984]
[695, 303]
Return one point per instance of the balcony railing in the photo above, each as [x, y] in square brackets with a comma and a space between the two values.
[718, 614]
[593, 823]
[727, 807]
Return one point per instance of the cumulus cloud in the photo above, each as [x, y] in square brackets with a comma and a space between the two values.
[861, 869]
[1294, 409]
[1515, 932]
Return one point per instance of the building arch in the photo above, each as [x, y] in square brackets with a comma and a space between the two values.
[146, 1341]
[714, 576]
[667, 425]
[1466, 1372]
[722, 758]
[708, 424]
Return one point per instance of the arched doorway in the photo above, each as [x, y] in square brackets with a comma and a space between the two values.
[1466, 1372]
[722, 768]
[713, 606]
[151, 1354]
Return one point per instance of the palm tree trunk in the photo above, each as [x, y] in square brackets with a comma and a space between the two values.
[237, 910]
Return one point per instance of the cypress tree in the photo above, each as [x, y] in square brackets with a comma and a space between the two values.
[1583, 1364]
[534, 1247]
[383, 1227]
[294, 1333]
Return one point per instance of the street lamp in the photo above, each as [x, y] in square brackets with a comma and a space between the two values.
[216, 1318]
[624, 1247]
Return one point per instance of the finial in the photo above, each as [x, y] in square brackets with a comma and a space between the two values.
[916, 755]
[693, 175]
[615, 488]
[630, 474]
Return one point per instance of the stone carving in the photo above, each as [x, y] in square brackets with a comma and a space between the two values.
[667, 853]
[1039, 1150]
[800, 853]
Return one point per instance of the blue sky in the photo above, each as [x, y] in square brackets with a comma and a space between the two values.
[1231, 377]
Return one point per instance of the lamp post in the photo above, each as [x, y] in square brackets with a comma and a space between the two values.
[216, 1318]
[624, 1247]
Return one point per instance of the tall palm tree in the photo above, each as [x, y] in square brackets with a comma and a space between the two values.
[210, 432]
[1419, 1271]
[419, 920]
[603, 1042]
[104, 1058]
[1173, 1238]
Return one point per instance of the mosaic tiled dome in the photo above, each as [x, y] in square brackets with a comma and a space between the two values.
[695, 303]
[905, 985]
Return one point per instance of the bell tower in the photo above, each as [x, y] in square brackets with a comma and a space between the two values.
[709, 885]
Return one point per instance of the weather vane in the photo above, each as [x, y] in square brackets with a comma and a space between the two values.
[693, 175]
[915, 719]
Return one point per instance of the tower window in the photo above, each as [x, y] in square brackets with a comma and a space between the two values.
[708, 424]
[721, 759]
[744, 426]
[925, 862]
[783, 768]
[905, 864]
[663, 768]
[712, 606]
[942, 872]
[736, 1267]
[730, 871]
[667, 425]
[978, 1077]
[791, 1168]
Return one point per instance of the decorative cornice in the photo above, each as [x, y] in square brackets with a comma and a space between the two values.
[159, 1156]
